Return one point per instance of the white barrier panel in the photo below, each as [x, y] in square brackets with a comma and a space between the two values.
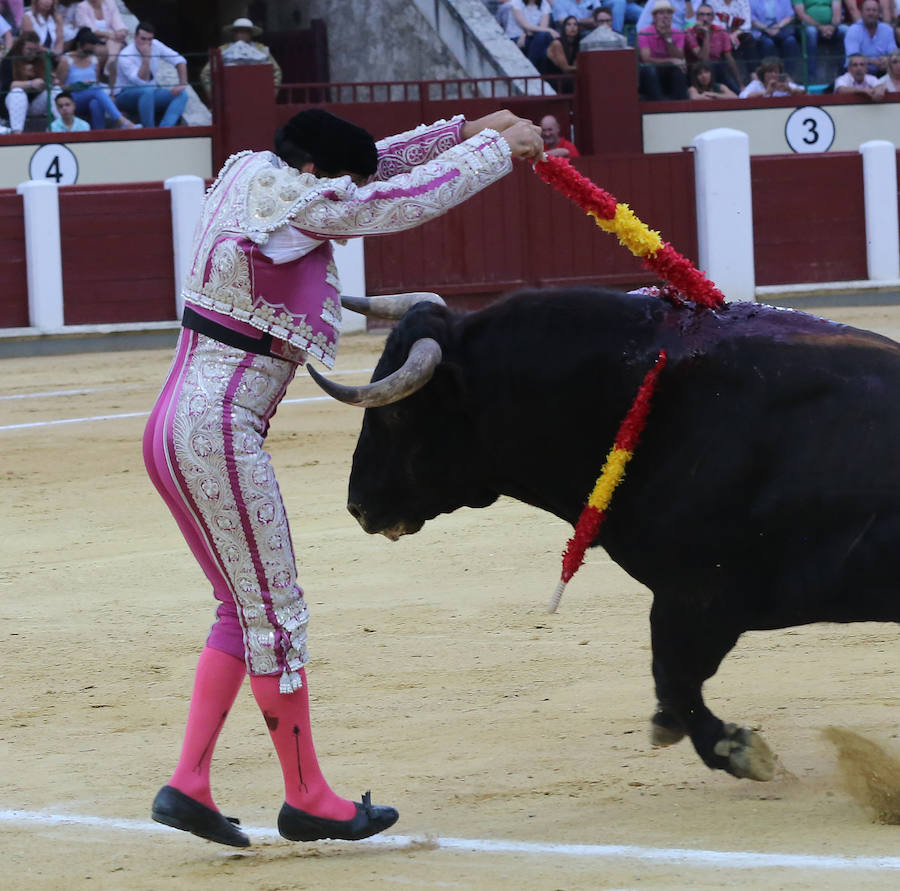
[186, 194]
[43, 256]
[351, 265]
[725, 211]
[879, 159]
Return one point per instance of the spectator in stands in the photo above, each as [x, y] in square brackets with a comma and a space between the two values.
[23, 77]
[623, 11]
[854, 10]
[857, 80]
[6, 35]
[242, 49]
[734, 16]
[67, 9]
[554, 144]
[137, 89]
[770, 80]
[683, 12]
[821, 19]
[773, 28]
[45, 20]
[896, 26]
[583, 11]
[79, 72]
[104, 19]
[703, 85]
[562, 53]
[870, 37]
[67, 122]
[603, 36]
[663, 71]
[707, 42]
[528, 26]
[13, 11]
[891, 80]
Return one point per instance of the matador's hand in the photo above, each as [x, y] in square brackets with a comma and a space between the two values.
[524, 140]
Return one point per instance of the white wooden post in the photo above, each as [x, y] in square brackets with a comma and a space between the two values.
[351, 265]
[879, 159]
[43, 255]
[725, 211]
[186, 197]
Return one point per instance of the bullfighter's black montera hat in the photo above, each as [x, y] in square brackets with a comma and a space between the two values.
[335, 145]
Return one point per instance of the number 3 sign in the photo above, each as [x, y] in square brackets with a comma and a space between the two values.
[55, 162]
[809, 129]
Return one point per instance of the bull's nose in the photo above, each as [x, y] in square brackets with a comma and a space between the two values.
[355, 512]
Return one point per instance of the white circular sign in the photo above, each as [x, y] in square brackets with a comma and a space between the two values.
[55, 162]
[809, 129]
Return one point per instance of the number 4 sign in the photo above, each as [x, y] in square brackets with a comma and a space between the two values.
[809, 129]
[55, 162]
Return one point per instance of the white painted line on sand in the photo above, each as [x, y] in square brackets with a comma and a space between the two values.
[137, 414]
[79, 392]
[54, 423]
[675, 856]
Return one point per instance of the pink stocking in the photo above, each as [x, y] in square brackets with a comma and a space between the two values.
[216, 684]
[287, 717]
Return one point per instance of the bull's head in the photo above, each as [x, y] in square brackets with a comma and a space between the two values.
[414, 457]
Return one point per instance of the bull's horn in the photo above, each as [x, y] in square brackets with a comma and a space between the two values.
[423, 358]
[389, 306]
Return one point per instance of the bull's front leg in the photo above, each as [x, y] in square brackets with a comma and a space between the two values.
[687, 650]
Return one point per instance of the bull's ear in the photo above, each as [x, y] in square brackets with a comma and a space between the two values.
[448, 385]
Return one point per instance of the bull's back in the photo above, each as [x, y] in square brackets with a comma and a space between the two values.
[770, 473]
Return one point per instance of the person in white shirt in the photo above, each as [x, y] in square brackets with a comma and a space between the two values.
[769, 80]
[137, 89]
[856, 79]
[891, 80]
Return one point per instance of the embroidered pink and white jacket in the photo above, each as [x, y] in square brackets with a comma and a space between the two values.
[262, 256]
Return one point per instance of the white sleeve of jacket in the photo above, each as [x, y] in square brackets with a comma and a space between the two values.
[337, 208]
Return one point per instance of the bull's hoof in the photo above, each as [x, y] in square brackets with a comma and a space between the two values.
[746, 753]
[665, 730]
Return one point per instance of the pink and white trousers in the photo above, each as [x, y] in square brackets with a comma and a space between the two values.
[203, 448]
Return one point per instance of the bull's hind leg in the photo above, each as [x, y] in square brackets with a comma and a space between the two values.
[686, 652]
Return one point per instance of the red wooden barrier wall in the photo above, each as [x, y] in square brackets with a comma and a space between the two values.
[13, 273]
[808, 218]
[521, 232]
[117, 261]
[808, 227]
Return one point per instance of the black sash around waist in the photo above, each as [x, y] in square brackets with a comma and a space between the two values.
[261, 346]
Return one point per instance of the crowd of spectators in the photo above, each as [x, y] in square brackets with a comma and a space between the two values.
[686, 49]
[716, 48]
[74, 65]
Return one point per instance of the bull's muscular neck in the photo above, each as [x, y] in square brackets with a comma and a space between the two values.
[551, 375]
[554, 375]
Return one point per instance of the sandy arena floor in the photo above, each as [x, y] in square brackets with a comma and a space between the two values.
[513, 743]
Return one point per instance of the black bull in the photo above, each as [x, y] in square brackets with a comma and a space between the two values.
[764, 492]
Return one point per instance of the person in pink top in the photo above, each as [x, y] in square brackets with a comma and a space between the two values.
[706, 42]
[261, 297]
[663, 71]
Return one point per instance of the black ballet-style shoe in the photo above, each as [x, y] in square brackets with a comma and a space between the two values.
[370, 819]
[175, 809]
